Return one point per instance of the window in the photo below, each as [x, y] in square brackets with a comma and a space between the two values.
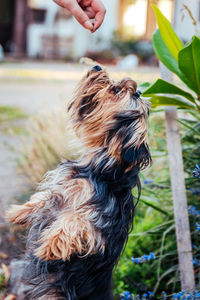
[38, 16]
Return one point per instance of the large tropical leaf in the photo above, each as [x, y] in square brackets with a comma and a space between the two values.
[189, 64]
[168, 34]
[164, 55]
[143, 86]
[163, 87]
[171, 101]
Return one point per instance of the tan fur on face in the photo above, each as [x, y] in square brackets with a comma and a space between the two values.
[92, 127]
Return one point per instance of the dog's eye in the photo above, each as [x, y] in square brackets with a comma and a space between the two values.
[121, 94]
[116, 90]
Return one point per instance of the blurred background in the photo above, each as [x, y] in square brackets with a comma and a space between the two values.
[40, 29]
[40, 48]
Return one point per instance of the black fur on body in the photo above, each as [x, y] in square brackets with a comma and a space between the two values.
[89, 278]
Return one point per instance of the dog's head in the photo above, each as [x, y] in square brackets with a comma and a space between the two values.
[111, 116]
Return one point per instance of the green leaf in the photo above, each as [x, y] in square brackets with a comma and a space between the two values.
[168, 34]
[185, 124]
[163, 87]
[175, 101]
[152, 204]
[144, 86]
[165, 56]
[189, 64]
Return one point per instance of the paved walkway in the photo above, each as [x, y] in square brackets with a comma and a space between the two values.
[34, 87]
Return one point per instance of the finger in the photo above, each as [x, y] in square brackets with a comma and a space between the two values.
[59, 2]
[85, 3]
[77, 12]
[89, 12]
[100, 11]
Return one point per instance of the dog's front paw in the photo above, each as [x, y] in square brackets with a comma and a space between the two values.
[18, 214]
[23, 214]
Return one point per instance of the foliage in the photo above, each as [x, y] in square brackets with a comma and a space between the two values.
[124, 46]
[2, 282]
[46, 142]
[181, 60]
[10, 113]
[154, 229]
[190, 140]
[153, 218]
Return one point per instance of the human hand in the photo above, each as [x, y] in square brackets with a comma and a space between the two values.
[84, 10]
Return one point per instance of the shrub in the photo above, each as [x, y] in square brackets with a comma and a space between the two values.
[49, 139]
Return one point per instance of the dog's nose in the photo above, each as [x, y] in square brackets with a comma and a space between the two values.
[97, 68]
[137, 95]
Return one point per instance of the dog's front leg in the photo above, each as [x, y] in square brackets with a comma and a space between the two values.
[23, 214]
[70, 234]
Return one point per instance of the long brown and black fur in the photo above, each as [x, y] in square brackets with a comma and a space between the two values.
[80, 218]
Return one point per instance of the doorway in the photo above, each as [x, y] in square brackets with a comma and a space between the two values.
[7, 24]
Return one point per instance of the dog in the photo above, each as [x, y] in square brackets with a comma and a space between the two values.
[80, 218]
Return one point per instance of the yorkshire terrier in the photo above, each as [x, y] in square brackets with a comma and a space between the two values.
[80, 218]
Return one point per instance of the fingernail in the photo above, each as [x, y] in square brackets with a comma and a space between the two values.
[88, 25]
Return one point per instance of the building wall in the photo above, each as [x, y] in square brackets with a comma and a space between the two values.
[183, 23]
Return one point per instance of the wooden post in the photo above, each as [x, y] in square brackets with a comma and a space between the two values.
[179, 193]
[19, 32]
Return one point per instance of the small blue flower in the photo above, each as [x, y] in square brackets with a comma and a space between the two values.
[197, 293]
[196, 262]
[144, 258]
[148, 181]
[194, 191]
[145, 295]
[126, 295]
[193, 211]
[196, 171]
[152, 256]
[197, 226]
[150, 293]
[137, 260]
